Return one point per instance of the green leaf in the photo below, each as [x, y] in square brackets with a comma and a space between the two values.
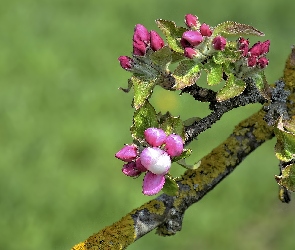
[262, 85]
[162, 57]
[214, 74]
[171, 124]
[285, 146]
[234, 28]
[229, 54]
[186, 74]
[145, 117]
[233, 87]
[287, 179]
[172, 33]
[170, 187]
[186, 153]
[187, 166]
[142, 90]
[177, 56]
[130, 84]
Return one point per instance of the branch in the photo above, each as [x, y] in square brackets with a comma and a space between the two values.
[166, 212]
[250, 95]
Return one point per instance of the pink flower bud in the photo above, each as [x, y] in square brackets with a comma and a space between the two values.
[155, 136]
[256, 49]
[139, 166]
[152, 183]
[191, 20]
[127, 153]
[243, 45]
[243, 41]
[155, 160]
[190, 52]
[131, 170]
[174, 145]
[139, 48]
[193, 37]
[205, 30]
[219, 42]
[265, 47]
[262, 62]
[251, 61]
[141, 34]
[126, 62]
[156, 41]
[184, 43]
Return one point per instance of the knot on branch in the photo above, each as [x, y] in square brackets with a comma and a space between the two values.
[172, 224]
[277, 107]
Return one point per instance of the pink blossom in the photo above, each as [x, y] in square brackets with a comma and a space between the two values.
[152, 183]
[243, 45]
[219, 42]
[139, 166]
[155, 136]
[126, 62]
[256, 49]
[191, 20]
[262, 62]
[251, 61]
[265, 47]
[184, 43]
[156, 41]
[128, 153]
[174, 145]
[190, 52]
[130, 169]
[139, 48]
[193, 37]
[155, 160]
[141, 34]
[205, 30]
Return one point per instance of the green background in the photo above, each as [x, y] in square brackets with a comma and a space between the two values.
[62, 119]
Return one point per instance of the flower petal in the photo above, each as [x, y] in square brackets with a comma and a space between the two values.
[155, 136]
[127, 153]
[155, 160]
[174, 145]
[152, 183]
[131, 170]
[219, 42]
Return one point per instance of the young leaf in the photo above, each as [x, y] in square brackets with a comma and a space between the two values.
[180, 159]
[187, 166]
[144, 117]
[172, 33]
[170, 187]
[234, 28]
[285, 146]
[262, 85]
[229, 54]
[186, 74]
[171, 124]
[233, 87]
[214, 75]
[162, 57]
[142, 90]
[287, 179]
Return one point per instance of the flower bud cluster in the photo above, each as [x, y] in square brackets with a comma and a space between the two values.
[198, 40]
[255, 56]
[142, 40]
[155, 159]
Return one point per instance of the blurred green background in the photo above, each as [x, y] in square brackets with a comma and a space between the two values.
[62, 118]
